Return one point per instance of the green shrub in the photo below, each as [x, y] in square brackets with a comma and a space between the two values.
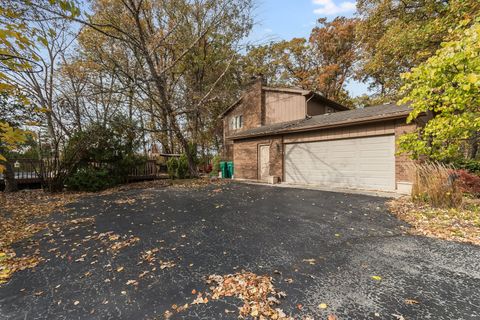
[172, 166]
[215, 165]
[182, 170]
[470, 165]
[91, 179]
[177, 168]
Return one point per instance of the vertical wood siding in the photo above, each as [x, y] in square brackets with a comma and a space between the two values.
[281, 107]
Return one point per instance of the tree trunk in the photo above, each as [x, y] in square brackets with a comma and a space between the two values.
[10, 182]
[474, 146]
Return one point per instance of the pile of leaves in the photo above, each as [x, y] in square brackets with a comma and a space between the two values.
[257, 292]
[198, 183]
[455, 224]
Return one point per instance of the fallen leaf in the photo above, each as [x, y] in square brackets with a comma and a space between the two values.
[411, 301]
[166, 264]
[322, 306]
[377, 278]
[132, 282]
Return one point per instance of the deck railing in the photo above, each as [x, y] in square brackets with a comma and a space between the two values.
[36, 171]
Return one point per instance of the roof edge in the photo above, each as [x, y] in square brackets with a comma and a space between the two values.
[221, 115]
[330, 101]
[289, 90]
[313, 128]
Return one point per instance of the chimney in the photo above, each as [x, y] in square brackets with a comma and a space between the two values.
[258, 78]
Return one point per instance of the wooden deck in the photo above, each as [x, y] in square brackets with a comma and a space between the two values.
[31, 171]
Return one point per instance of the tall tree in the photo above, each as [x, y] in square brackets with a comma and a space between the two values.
[17, 40]
[159, 36]
[446, 88]
[395, 36]
[335, 48]
[324, 62]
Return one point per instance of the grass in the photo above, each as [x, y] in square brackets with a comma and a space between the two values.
[435, 184]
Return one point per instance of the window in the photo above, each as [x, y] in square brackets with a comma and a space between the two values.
[237, 122]
[329, 110]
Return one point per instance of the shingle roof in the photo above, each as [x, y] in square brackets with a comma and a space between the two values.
[374, 113]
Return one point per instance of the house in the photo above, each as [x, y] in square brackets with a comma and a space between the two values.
[300, 137]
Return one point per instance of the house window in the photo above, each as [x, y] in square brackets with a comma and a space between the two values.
[237, 122]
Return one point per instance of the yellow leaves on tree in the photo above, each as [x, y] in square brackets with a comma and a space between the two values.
[445, 88]
[9, 138]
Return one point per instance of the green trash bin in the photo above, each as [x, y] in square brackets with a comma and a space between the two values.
[224, 169]
[230, 169]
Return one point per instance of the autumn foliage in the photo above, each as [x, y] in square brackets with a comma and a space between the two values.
[468, 182]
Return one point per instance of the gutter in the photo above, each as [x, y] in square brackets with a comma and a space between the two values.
[314, 128]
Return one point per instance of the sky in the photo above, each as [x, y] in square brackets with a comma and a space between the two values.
[286, 19]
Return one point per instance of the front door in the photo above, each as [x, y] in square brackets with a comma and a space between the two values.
[264, 160]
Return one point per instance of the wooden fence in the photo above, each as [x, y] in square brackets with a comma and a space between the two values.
[30, 171]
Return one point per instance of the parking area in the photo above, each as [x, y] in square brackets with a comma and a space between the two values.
[134, 254]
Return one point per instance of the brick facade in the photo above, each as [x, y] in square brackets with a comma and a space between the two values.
[402, 161]
[250, 107]
[245, 158]
[263, 106]
[246, 152]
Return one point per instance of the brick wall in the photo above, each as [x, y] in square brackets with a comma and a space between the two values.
[246, 151]
[276, 157]
[401, 160]
[245, 158]
[250, 107]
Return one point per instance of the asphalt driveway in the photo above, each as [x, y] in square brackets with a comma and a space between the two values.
[234, 227]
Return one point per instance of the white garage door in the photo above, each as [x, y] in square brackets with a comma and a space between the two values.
[365, 163]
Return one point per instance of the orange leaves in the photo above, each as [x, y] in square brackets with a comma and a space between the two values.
[23, 209]
[10, 263]
[461, 224]
[119, 245]
[411, 301]
[257, 293]
[260, 298]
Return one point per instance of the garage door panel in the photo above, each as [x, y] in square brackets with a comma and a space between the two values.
[359, 163]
